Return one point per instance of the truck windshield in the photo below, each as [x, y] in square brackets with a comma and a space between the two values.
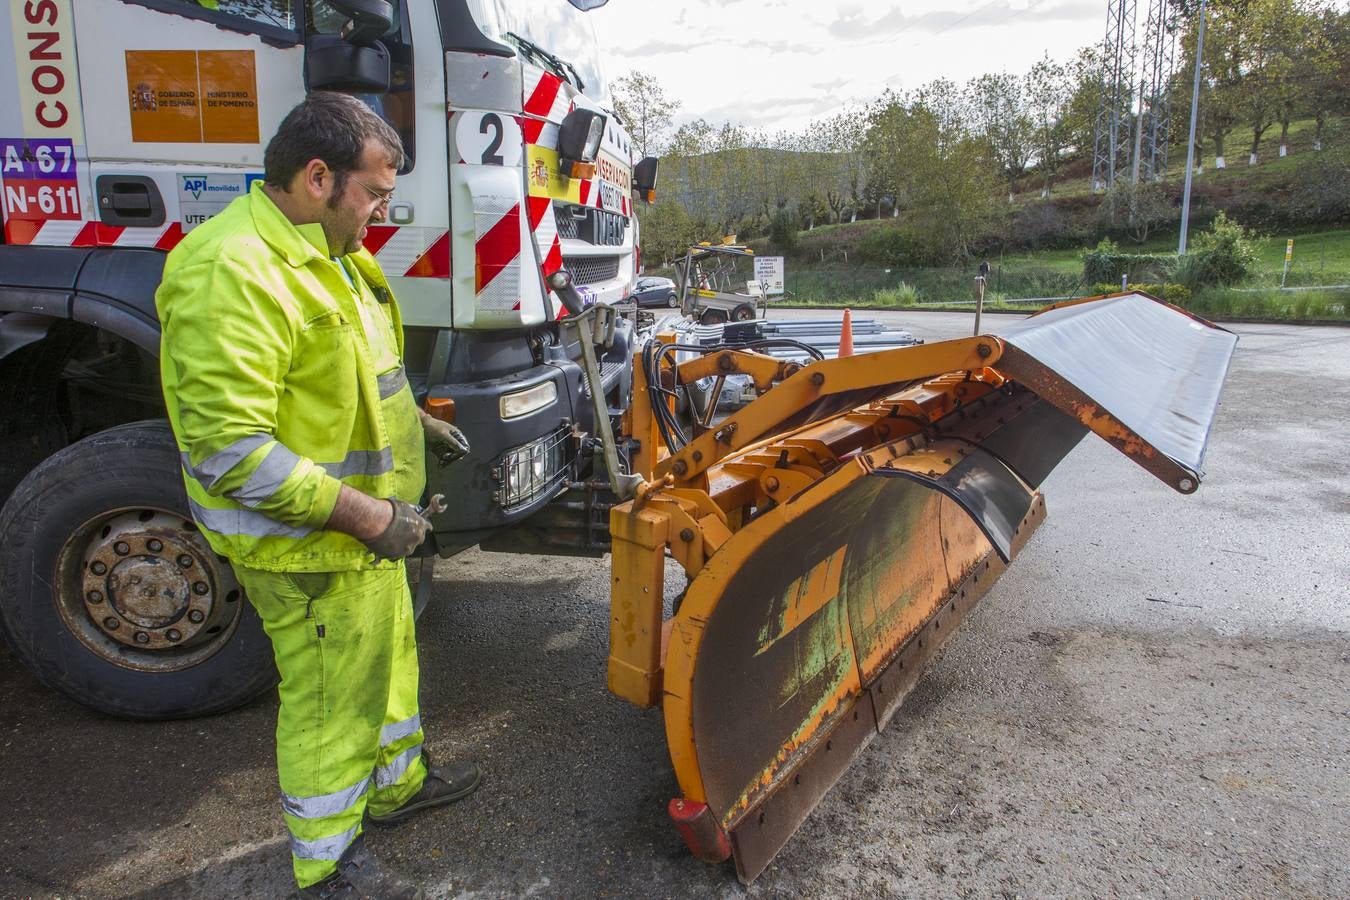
[552, 34]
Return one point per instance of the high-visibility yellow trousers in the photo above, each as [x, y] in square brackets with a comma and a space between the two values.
[349, 735]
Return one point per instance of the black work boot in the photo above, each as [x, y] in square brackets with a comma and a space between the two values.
[444, 784]
[359, 876]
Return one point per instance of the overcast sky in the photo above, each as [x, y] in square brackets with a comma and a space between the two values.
[780, 63]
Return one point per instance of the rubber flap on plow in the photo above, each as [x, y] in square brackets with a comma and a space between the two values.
[802, 634]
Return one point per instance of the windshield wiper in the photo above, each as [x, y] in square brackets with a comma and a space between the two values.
[549, 61]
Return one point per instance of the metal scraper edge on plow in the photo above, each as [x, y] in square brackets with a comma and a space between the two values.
[836, 530]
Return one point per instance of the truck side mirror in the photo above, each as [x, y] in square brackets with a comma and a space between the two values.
[367, 20]
[644, 179]
[352, 61]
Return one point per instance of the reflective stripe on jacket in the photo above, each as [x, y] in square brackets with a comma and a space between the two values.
[274, 390]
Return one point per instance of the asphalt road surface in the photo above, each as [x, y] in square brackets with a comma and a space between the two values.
[1155, 700]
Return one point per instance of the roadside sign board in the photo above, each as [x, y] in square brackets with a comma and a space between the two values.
[769, 272]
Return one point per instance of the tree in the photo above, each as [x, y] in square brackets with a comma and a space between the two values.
[1324, 72]
[1143, 206]
[1249, 69]
[1222, 77]
[942, 176]
[1002, 116]
[1286, 89]
[645, 108]
[825, 139]
[667, 230]
[1085, 75]
[1269, 36]
[1049, 90]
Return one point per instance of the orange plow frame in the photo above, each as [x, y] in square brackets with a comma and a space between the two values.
[836, 529]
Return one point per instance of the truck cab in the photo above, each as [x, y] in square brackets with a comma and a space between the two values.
[126, 124]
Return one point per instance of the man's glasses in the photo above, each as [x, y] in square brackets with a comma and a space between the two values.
[383, 196]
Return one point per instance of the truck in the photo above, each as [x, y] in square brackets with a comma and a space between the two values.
[833, 530]
[127, 124]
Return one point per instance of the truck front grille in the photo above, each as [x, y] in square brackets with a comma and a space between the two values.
[568, 227]
[591, 270]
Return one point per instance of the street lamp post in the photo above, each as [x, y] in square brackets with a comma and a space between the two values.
[1190, 143]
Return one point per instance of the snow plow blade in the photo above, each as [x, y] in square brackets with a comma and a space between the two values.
[838, 528]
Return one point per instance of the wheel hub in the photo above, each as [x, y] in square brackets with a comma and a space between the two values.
[149, 584]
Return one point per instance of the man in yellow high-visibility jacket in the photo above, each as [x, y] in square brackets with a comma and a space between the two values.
[303, 454]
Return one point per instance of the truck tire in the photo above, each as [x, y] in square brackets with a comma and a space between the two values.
[743, 313]
[111, 595]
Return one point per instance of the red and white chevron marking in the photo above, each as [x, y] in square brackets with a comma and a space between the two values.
[544, 227]
[401, 251]
[544, 98]
[410, 251]
[496, 253]
[65, 233]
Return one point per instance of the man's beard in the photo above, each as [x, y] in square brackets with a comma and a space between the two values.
[342, 237]
[349, 241]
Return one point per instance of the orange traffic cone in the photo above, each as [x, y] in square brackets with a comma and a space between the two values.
[846, 335]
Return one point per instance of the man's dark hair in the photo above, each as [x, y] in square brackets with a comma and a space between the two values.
[328, 126]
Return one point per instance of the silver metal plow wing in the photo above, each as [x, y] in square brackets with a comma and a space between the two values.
[1143, 374]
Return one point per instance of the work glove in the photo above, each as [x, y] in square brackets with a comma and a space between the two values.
[405, 533]
[448, 442]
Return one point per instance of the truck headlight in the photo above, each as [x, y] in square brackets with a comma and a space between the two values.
[522, 403]
[527, 472]
[579, 142]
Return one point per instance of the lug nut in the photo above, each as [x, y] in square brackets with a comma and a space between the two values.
[111, 623]
[686, 534]
[185, 561]
[196, 616]
[142, 637]
[121, 548]
[771, 484]
[173, 634]
[95, 596]
[99, 567]
[155, 545]
[199, 587]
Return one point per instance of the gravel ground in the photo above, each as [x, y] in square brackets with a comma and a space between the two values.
[1155, 700]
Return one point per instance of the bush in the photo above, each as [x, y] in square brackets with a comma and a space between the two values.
[1105, 264]
[1224, 255]
[1272, 304]
[1135, 209]
[901, 295]
[1046, 225]
[885, 246]
[783, 232]
[1177, 294]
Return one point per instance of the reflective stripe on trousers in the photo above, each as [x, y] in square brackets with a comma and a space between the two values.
[348, 731]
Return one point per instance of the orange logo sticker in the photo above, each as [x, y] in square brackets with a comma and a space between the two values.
[192, 96]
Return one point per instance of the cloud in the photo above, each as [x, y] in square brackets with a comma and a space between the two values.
[832, 85]
[852, 24]
[774, 46]
[651, 48]
[770, 114]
